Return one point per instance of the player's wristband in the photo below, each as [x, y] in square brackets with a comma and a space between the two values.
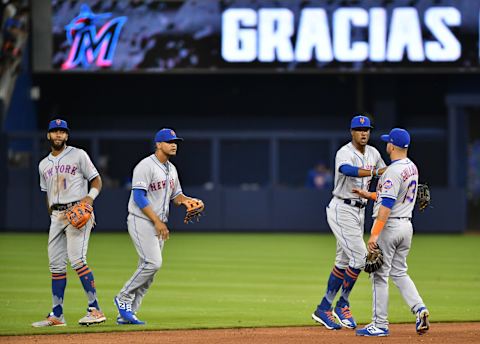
[93, 193]
[371, 172]
[376, 172]
[378, 227]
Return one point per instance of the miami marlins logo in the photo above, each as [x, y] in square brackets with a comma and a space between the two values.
[87, 46]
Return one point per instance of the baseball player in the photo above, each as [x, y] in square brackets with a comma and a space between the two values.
[65, 175]
[355, 165]
[154, 184]
[392, 230]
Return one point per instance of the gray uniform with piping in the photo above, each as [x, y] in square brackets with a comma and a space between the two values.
[160, 181]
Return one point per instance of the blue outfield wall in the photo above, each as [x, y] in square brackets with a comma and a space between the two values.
[229, 209]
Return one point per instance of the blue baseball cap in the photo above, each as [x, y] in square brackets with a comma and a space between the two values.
[360, 121]
[165, 135]
[398, 137]
[58, 124]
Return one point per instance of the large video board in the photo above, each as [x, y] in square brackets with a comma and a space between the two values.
[265, 36]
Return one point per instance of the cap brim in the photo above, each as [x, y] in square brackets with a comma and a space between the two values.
[361, 127]
[59, 128]
[385, 138]
[178, 139]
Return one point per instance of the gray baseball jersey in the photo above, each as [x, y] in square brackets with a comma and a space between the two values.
[65, 177]
[399, 182]
[161, 183]
[347, 221]
[348, 154]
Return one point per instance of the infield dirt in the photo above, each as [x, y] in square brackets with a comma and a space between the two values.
[458, 333]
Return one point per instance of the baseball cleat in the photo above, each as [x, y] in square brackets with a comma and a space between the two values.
[51, 320]
[326, 318]
[125, 310]
[373, 331]
[93, 317]
[422, 324]
[122, 321]
[344, 316]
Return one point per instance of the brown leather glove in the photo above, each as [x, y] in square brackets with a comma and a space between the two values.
[374, 260]
[195, 208]
[79, 214]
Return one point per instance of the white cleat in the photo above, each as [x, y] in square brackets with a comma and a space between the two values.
[51, 320]
[93, 317]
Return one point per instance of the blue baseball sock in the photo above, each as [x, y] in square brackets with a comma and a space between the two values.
[349, 279]
[59, 282]
[334, 283]
[88, 282]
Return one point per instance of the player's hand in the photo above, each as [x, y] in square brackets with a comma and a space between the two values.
[372, 242]
[200, 203]
[162, 230]
[361, 192]
[187, 200]
[87, 199]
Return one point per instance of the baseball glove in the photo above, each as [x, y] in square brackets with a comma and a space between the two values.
[423, 196]
[374, 260]
[195, 209]
[79, 214]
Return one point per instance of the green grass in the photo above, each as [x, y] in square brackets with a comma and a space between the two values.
[231, 280]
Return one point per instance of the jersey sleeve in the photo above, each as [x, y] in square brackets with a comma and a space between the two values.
[43, 182]
[343, 157]
[142, 177]
[391, 183]
[177, 188]
[87, 167]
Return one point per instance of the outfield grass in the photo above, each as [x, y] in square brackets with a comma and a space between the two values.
[231, 280]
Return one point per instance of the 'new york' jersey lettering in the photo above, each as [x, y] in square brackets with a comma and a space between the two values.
[161, 183]
[349, 155]
[399, 182]
[65, 177]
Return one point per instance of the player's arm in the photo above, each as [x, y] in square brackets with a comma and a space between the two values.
[43, 187]
[141, 200]
[181, 199]
[354, 171]
[380, 221]
[95, 188]
[48, 205]
[91, 174]
[365, 194]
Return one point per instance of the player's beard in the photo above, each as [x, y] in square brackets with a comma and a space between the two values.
[59, 146]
